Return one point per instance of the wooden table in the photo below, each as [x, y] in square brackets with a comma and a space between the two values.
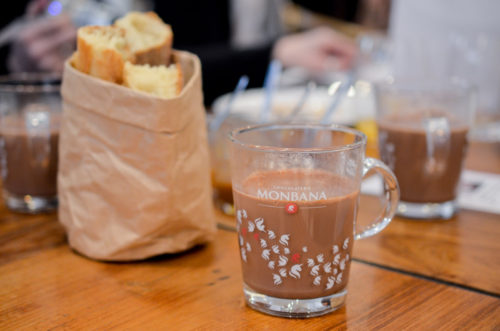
[414, 275]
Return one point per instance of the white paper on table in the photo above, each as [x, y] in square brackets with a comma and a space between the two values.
[478, 191]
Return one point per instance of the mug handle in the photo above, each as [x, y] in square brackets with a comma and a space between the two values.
[391, 195]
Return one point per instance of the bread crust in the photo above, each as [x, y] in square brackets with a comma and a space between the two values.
[180, 78]
[160, 53]
[180, 75]
[105, 63]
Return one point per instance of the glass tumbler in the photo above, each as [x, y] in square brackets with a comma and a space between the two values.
[30, 110]
[219, 159]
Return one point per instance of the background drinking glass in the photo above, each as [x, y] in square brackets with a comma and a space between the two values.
[219, 157]
[296, 193]
[30, 108]
[423, 131]
[465, 45]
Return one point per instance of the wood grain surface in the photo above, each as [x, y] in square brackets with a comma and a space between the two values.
[483, 156]
[464, 250]
[44, 285]
[414, 275]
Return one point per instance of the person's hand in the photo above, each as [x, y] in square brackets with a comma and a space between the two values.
[321, 49]
[43, 45]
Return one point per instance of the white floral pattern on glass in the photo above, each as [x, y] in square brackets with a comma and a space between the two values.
[259, 223]
[342, 264]
[251, 226]
[277, 279]
[330, 282]
[284, 239]
[315, 270]
[282, 260]
[336, 259]
[339, 278]
[346, 243]
[295, 271]
[265, 254]
[243, 254]
[325, 269]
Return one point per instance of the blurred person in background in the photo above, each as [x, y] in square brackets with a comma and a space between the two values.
[240, 37]
[231, 37]
[38, 35]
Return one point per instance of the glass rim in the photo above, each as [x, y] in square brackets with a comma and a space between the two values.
[267, 148]
[416, 86]
[30, 82]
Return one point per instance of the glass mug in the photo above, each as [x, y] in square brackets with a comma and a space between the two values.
[296, 193]
[30, 110]
[423, 139]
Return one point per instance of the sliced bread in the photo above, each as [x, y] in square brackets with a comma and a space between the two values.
[150, 39]
[102, 52]
[161, 81]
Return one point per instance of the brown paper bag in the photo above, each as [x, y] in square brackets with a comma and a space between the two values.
[134, 170]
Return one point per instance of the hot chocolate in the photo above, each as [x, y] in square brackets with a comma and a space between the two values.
[424, 173]
[296, 231]
[223, 191]
[29, 165]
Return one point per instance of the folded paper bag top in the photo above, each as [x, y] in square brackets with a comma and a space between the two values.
[134, 180]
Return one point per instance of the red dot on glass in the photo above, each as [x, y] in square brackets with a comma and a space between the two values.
[256, 236]
[291, 208]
